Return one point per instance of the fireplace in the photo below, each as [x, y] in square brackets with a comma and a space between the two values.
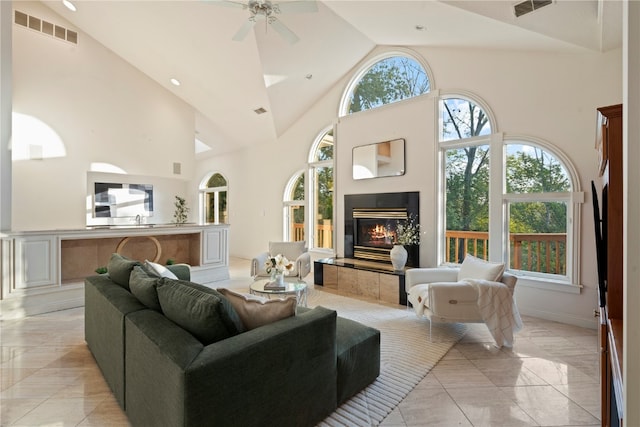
[370, 225]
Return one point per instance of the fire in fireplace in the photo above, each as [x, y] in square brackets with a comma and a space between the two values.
[371, 221]
[375, 231]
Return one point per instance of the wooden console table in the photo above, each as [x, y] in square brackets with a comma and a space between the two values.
[364, 278]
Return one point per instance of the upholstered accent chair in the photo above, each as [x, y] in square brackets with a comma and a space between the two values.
[475, 292]
[296, 252]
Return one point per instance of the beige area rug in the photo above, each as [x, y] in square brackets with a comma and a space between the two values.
[407, 355]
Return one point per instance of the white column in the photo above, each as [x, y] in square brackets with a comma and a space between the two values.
[631, 156]
[6, 15]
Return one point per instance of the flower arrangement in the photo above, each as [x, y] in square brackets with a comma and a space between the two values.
[278, 264]
[408, 231]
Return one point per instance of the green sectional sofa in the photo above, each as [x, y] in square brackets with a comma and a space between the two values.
[292, 372]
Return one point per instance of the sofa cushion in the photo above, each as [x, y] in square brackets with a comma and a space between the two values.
[119, 269]
[143, 286]
[204, 313]
[159, 270]
[255, 311]
[479, 269]
[358, 353]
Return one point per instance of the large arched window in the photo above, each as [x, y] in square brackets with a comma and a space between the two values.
[321, 191]
[506, 199]
[389, 78]
[214, 199]
[539, 209]
[294, 204]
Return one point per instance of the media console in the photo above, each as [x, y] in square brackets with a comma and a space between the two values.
[363, 278]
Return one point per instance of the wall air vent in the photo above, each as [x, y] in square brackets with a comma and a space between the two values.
[45, 27]
[260, 110]
[529, 6]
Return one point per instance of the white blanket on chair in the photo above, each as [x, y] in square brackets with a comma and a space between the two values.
[498, 310]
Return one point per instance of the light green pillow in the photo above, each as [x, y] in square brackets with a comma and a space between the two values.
[119, 269]
[144, 287]
[201, 311]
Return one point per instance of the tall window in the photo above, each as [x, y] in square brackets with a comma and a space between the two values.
[321, 185]
[510, 201]
[466, 167]
[393, 78]
[294, 201]
[538, 197]
[214, 200]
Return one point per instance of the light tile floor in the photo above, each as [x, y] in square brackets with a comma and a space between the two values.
[550, 378]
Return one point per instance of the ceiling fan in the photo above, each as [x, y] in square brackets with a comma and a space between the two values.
[265, 10]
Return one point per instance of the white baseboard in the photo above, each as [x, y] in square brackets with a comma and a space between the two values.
[590, 323]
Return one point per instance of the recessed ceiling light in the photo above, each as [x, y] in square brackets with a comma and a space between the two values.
[420, 27]
[69, 5]
[175, 82]
[308, 76]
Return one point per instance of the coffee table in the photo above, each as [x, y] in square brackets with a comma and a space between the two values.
[295, 287]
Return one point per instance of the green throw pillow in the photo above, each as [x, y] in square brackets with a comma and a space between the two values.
[143, 286]
[201, 311]
[119, 269]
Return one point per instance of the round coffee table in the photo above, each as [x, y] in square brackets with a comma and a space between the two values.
[295, 287]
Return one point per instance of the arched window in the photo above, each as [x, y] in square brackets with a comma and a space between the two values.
[506, 199]
[321, 191]
[386, 79]
[294, 204]
[214, 199]
[539, 209]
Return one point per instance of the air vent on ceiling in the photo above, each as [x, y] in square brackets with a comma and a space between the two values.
[528, 6]
[260, 110]
[45, 27]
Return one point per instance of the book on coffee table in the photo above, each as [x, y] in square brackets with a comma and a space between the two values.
[274, 286]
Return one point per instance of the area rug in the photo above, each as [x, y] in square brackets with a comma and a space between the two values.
[407, 355]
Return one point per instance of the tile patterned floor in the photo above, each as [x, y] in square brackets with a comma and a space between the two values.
[550, 378]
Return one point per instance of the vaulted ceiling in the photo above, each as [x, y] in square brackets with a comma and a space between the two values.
[226, 80]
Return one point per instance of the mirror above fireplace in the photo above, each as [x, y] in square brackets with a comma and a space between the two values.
[378, 160]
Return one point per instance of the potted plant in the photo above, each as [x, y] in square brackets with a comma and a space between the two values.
[180, 214]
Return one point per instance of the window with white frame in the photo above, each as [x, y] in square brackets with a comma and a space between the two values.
[385, 79]
[214, 193]
[294, 208]
[509, 200]
[321, 191]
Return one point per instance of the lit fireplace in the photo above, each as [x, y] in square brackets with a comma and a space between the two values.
[370, 225]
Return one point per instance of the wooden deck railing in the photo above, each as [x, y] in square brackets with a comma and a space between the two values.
[324, 234]
[539, 252]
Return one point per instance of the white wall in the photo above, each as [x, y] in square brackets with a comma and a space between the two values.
[100, 108]
[547, 96]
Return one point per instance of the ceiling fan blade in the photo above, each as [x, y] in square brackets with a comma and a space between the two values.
[283, 30]
[244, 30]
[228, 3]
[301, 6]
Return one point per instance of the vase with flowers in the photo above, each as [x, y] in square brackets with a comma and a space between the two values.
[407, 233]
[278, 266]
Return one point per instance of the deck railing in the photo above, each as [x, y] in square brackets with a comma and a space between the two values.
[539, 252]
[323, 237]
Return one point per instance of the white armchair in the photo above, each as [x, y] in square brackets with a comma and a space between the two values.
[478, 292]
[295, 252]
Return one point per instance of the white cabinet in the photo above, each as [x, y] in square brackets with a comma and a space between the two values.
[214, 248]
[35, 262]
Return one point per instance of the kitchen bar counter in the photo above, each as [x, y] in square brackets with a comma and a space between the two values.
[44, 271]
